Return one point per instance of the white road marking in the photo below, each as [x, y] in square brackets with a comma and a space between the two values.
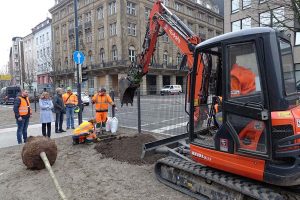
[166, 120]
[166, 128]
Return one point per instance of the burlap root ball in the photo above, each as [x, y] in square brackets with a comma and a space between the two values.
[32, 149]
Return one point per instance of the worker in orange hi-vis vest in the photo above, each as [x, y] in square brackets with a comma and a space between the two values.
[70, 101]
[102, 101]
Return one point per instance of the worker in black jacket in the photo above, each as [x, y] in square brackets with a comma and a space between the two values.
[59, 110]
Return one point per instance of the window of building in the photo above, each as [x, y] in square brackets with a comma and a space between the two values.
[101, 55]
[202, 16]
[66, 61]
[210, 33]
[113, 29]
[272, 18]
[37, 41]
[47, 36]
[165, 38]
[112, 8]
[297, 38]
[63, 29]
[165, 58]
[48, 51]
[166, 2]
[178, 59]
[246, 23]
[178, 6]
[241, 24]
[65, 45]
[190, 11]
[100, 13]
[89, 37]
[235, 26]
[88, 17]
[114, 53]
[38, 54]
[246, 4]
[132, 29]
[131, 8]
[71, 24]
[211, 20]
[90, 56]
[190, 25]
[101, 33]
[79, 20]
[131, 51]
[235, 6]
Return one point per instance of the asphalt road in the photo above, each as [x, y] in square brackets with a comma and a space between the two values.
[159, 114]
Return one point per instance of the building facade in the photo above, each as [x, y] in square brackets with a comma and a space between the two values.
[42, 40]
[29, 80]
[111, 34]
[16, 61]
[243, 14]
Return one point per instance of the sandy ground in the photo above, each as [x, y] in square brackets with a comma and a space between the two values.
[83, 174]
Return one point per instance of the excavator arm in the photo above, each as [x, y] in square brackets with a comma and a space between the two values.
[161, 21]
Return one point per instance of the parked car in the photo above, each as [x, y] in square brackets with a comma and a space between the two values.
[84, 98]
[8, 94]
[171, 89]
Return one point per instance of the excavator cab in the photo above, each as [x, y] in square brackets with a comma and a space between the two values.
[247, 106]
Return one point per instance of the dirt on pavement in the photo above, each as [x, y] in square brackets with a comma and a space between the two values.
[83, 173]
[128, 149]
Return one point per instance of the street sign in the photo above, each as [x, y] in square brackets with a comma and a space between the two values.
[78, 57]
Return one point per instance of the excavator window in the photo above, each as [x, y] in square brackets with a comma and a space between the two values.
[243, 71]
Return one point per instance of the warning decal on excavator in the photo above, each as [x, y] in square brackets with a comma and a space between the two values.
[298, 123]
[224, 144]
[284, 114]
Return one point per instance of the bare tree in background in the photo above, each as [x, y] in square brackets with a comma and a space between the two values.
[282, 14]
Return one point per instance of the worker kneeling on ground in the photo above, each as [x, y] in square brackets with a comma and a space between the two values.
[101, 101]
[85, 133]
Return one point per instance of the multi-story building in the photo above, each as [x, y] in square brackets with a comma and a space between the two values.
[111, 34]
[42, 53]
[16, 61]
[29, 63]
[243, 14]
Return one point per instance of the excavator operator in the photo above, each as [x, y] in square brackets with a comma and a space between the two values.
[242, 80]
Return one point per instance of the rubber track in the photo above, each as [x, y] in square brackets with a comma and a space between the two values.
[245, 186]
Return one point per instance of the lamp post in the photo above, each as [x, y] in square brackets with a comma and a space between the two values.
[77, 65]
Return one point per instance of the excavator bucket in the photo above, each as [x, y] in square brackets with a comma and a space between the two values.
[127, 90]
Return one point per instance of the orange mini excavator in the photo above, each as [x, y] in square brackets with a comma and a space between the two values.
[243, 138]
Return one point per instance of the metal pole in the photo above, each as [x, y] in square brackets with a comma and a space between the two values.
[77, 65]
[139, 110]
[34, 96]
[112, 95]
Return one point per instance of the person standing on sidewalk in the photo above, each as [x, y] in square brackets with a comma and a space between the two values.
[70, 101]
[22, 112]
[59, 110]
[46, 116]
[101, 101]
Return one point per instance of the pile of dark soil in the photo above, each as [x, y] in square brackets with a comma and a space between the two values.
[128, 149]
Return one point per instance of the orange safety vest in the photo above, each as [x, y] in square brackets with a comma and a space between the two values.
[24, 107]
[84, 128]
[242, 80]
[102, 102]
[73, 100]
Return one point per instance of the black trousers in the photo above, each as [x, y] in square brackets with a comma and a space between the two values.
[48, 129]
[59, 118]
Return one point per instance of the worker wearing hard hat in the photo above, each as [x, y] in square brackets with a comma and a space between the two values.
[70, 101]
[102, 101]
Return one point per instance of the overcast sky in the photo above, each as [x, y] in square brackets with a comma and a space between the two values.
[17, 18]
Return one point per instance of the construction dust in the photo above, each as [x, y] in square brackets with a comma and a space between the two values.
[128, 149]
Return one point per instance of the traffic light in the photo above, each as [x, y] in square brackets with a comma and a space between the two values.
[84, 73]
